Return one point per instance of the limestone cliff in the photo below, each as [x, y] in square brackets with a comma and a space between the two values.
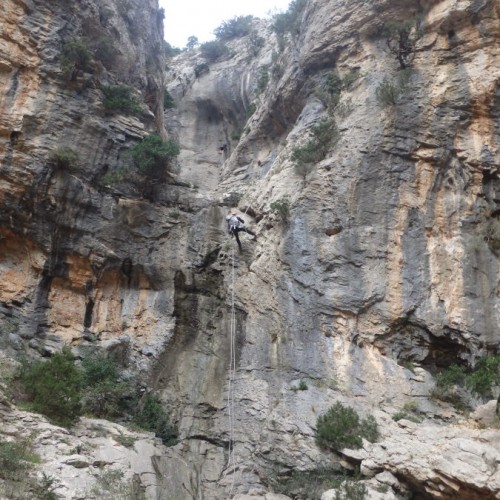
[383, 272]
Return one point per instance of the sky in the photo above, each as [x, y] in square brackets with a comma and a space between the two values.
[199, 18]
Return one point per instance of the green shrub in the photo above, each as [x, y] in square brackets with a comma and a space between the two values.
[340, 427]
[152, 417]
[263, 79]
[152, 153]
[168, 100]
[281, 208]
[120, 99]
[485, 376]
[112, 178]
[350, 489]
[55, 387]
[105, 394]
[16, 456]
[236, 27]
[112, 485]
[64, 158]
[323, 136]
[479, 381]
[406, 416]
[387, 93]
[75, 58]
[213, 50]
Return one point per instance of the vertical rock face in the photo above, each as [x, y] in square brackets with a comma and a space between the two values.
[388, 256]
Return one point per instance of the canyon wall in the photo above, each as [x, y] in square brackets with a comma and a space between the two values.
[383, 272]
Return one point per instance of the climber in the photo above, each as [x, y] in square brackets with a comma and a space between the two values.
[235, 225]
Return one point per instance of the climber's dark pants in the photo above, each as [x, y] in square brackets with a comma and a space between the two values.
[235, 232]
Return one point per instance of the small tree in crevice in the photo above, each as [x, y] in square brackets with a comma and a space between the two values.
[401, 39]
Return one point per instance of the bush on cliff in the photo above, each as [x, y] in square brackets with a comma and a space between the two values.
[120, 99]
[457, 383]
[322, 137]
[64, 158]
[75, 58]
[236, 27]
[213, 50]
[152, 153]
[340, 427]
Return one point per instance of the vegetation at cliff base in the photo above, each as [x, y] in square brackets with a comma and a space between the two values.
[62, 390]
[152, 417]
[457, 383]
[54, 388]
[340, 427]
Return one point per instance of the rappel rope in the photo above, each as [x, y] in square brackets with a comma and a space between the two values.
[232, 373]
[231, 464]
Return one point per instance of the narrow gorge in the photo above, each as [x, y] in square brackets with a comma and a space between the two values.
[360, 141]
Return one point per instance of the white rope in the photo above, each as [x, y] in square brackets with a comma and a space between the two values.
[232, 373]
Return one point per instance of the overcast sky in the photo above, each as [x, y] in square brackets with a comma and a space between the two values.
[185, 18]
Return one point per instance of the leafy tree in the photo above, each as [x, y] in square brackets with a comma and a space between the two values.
[340, 427]
[55, 387]
[237, 27]
[192, 42]
[401, 39]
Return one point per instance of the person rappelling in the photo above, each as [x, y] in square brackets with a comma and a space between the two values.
[235, 225]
